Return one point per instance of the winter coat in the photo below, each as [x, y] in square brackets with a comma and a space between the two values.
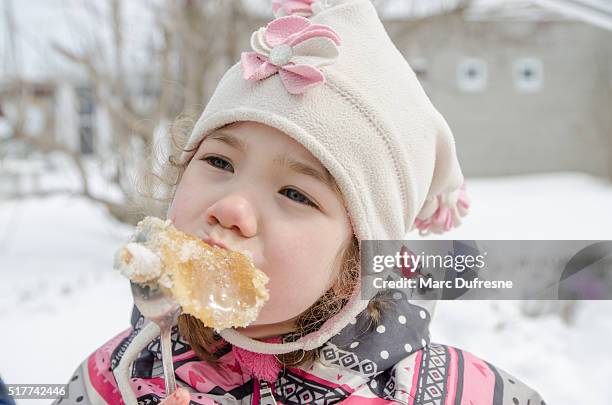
[392, 363]
[5, 398]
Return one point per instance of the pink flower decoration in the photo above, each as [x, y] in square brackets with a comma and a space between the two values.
[293, 47]
[304, 8]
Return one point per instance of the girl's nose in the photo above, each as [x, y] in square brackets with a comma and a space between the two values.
[233, 212]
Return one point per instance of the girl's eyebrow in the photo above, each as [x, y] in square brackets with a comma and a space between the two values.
[307, 170]
[284, 161]
[229, 140]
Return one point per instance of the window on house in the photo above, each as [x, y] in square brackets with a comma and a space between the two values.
[472, 75]
[40, 90]
[528, 75]
[86, 138]
[87, 119]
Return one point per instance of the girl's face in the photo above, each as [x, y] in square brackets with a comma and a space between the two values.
[251, 187]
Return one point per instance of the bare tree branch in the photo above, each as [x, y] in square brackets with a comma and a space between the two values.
[192, 43]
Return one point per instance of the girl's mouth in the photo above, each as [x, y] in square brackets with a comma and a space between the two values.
[204, 238]
[221, 245]
[212, 242]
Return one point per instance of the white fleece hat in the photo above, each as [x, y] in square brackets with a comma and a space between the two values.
[336, 83]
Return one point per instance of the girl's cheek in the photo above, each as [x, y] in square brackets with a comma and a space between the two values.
[300, 275]
[302, 254]
[189, 202]
[290, 262]
[177, 211]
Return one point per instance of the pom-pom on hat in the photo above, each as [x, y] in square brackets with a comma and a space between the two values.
[327, 74]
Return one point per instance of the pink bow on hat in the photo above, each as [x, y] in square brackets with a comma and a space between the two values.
[303, 8]
[293, 47]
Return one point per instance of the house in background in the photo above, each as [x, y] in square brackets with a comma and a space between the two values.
[53, 87]
[57, 97]
[525, 86]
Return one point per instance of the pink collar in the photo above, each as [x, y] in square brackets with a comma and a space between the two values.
[259, 365]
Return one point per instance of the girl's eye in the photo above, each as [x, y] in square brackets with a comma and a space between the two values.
[296, 196]
[219, 163]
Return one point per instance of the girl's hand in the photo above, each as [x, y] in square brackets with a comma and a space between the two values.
[180, 397]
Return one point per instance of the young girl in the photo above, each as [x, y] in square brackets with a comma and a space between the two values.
[319, 138]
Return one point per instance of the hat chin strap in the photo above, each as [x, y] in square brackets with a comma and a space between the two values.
[122, 372]
[313, 340]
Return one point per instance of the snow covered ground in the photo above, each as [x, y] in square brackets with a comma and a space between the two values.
[60, 298]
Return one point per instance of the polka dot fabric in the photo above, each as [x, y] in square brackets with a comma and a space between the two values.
[402, 329]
